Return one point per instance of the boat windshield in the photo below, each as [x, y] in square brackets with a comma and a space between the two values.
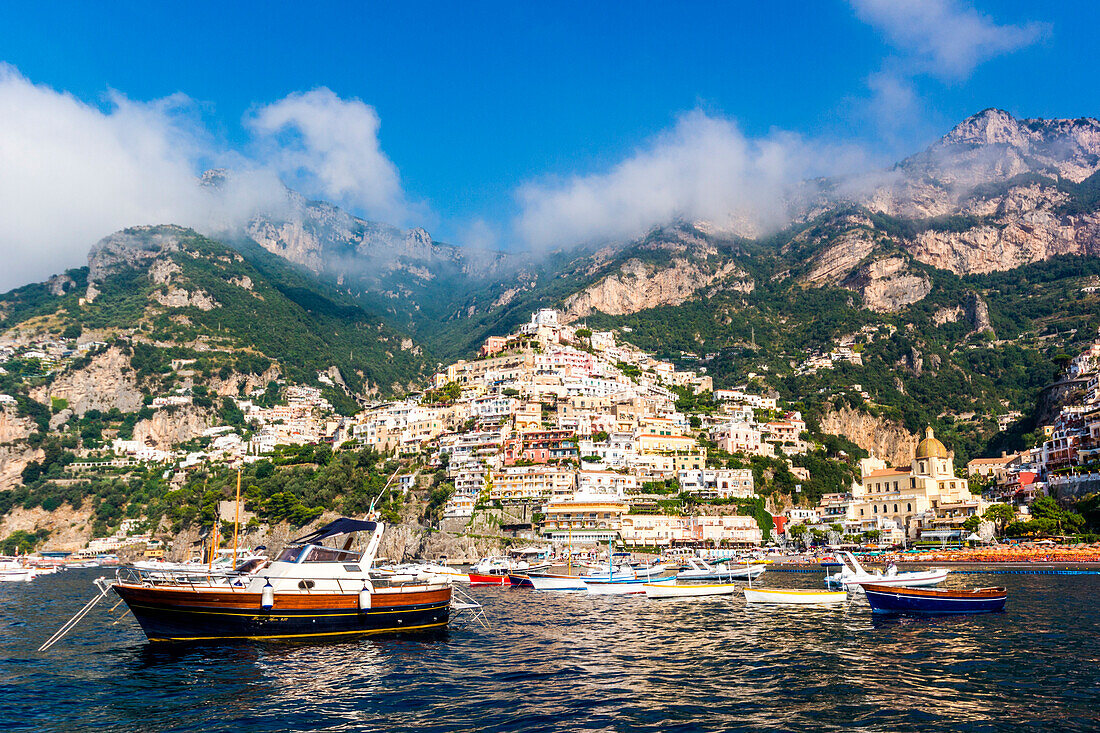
[330, 554]
[291, 554]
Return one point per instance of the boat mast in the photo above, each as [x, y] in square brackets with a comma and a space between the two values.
[569, 548]
[237, 519]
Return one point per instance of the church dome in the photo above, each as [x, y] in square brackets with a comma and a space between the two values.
[930, 447]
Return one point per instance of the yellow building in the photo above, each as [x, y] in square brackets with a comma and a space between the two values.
[927, 500]
[583, 521]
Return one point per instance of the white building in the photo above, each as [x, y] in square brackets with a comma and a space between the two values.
[718, 483]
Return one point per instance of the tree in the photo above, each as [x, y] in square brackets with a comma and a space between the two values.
[1001, 515]
[972, 523]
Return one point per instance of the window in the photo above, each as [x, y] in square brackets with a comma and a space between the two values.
[895, 508]
[330, 554]
[908, 507]
[289, 554]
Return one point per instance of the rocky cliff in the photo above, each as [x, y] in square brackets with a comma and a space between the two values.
[175, 425]
[106, 382]
[887, 439]
[639, 285]
[1020, 192]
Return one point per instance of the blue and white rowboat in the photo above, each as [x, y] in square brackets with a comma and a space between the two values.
[888, 599]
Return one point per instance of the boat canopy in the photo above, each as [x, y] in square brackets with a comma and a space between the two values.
[343, 525]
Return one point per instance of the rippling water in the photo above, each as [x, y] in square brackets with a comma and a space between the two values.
[571, 662]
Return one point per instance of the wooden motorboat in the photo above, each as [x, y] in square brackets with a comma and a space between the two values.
[689, 590]
[311, 590]
[794, 596]
[888, 599]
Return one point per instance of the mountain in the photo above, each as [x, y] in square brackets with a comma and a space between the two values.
[404, 274]
[960, 273]
[173, 295]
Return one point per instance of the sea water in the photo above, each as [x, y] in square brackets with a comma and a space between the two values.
[566, 662]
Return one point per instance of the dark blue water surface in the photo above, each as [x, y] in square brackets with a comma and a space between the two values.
[563, 662]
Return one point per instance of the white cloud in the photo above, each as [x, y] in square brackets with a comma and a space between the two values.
[945, 38]
[704, 168]
[71, 172]
[322, 143]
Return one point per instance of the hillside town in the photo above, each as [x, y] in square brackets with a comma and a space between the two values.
[575, 436]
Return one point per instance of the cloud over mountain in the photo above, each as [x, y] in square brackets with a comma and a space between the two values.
[704, 168]
[321, 143]
[74, 172]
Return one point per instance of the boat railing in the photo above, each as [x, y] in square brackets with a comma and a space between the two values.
[236, 583]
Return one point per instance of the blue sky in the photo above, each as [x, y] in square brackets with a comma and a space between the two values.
[486, 107]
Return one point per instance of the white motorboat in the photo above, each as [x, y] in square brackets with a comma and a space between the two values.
[698, 569]
[247, 562]
[420, 569]
[688, 590]
[853, 575]
[794, 596]
[12, 570]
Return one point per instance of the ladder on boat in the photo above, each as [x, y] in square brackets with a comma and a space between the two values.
[464, 607]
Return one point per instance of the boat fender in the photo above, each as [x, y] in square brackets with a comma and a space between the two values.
[365, 596]
[267, 596]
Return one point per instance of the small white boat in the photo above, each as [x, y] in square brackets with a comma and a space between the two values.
[623, 587]
[853, 575]
[794, 596]
[557, 582]
[698, 569]
[689, 590]
[12, 570]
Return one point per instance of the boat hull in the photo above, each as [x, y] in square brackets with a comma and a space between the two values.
[661, 590]
[795, 597]
[624, 587]
[886, 599]
[556, 582]
[16, 576]
[183, 614]
[487, 579]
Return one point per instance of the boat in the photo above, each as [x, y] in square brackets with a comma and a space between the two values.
[12, 570]
[551, 582]
[689, 590]
[794, 596]
[620, 587]
[890, 599]
[225, 560]
[853, 575]
[505, 565]
[425, 568]
[488, 579]
[699, 569]
[311, 590]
